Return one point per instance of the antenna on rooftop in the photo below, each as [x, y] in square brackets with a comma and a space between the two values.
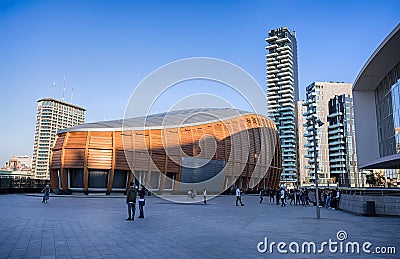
[72, 94]
[54, 89]
[63, 90]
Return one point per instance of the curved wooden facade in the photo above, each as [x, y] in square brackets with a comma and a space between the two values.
[245, 147]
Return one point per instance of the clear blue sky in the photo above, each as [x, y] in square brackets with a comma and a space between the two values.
[105, 48]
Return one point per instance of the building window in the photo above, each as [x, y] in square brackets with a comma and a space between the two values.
[75, 178]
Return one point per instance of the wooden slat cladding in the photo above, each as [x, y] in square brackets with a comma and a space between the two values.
[100, 140]
[99, 158]
[56, 159]
[74, 158]
[78, 141]
[248, 144]
[59, 142]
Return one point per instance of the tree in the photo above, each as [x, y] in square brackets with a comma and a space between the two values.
[375, 179]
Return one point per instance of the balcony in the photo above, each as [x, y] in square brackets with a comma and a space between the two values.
[333, 137]
[284, 73]
[272, 38]
[288, 164]
[283, 48]
[273, 71]
[287, 127]
[287, 82]
[283, 40]
[332, 115]
[270, 76]
[338, 171]
[337, 166]
[270, 67]
[288, 69]
[273, 106]
[284, 91]
[287, 52]
[273, 88]
[337, 160]
[273, 46]
[336, 154]
[337, 148]
[285, 100]
[272, 80]
[287, 146]
[272, 97]
[336, 125]
[284, 65]
[273, 54]
[337, 143]
[287, 78]
[286, 56]
[332, 132]
[309, 156]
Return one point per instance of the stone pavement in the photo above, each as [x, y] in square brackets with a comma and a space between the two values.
[95, 227]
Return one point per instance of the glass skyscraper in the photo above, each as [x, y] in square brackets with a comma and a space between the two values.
[341, 139]
[282, 94]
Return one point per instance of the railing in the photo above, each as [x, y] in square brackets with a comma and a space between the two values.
[355, 200]
[21, 185]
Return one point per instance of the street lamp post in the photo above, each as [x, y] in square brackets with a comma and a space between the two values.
[315, 121]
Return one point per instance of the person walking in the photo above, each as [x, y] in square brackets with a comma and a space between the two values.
[283, 197]
[239, 197]
[131, 201]
[328, 198]
[271, 196]
[277, 192]
[142, 202]
[261, 195]
[205, 196]
[46, 193]
[298, 195]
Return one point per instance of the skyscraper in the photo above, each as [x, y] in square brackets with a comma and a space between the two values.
[341, 139]
[318, 95]
[52, 115]
[283, 92]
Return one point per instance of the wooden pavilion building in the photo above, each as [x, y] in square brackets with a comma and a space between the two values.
[217, 149]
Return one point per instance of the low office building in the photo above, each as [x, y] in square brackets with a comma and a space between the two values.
[376, 94]
[216, 149]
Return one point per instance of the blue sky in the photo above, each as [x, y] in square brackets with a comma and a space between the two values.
[105, 48]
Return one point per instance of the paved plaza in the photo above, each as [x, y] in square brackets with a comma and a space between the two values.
[95, 227]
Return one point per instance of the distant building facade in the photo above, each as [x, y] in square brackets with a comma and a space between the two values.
[302, 152]
[52, 115]
[342, 141]
[283, 92]
[318, 95]
[17, 166]
[376, 94]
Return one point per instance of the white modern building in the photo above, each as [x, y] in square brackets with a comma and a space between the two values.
[318, 95]
[52, 115]
[283, 92]
[376, 94]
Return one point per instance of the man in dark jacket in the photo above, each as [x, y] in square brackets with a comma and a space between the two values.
[131, 201]
[142, 193]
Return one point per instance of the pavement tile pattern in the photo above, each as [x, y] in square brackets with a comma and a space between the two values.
[95, 227]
